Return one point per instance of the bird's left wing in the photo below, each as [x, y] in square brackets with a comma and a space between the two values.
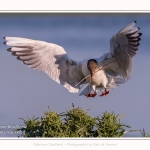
[123, 46]
[47, 57]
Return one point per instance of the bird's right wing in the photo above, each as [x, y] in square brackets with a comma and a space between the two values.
[47, 57]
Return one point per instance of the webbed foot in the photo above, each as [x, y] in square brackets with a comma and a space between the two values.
[91, 95]
[104, 93]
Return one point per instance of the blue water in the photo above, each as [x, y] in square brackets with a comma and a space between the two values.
[83, 36]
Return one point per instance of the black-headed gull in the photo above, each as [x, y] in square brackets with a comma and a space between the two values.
[104, 73]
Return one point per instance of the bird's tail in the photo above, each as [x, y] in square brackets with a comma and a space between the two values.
[87, 90]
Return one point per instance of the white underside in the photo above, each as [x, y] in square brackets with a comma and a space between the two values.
[98, 79]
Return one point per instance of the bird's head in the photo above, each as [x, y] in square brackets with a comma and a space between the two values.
[92, 66]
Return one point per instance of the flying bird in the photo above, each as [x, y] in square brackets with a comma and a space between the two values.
[100, 74]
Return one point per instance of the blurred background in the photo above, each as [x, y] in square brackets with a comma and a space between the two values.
[25, 92]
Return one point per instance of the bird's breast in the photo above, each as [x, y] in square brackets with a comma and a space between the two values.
[99, 78]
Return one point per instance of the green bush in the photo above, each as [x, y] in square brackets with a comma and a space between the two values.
[75, 123]
[144, 134]
[108, 125]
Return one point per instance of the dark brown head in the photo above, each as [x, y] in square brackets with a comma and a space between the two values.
[92, 65]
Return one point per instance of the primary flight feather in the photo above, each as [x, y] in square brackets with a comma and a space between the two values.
[103, 73]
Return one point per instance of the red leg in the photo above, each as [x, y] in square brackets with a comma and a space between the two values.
[104, 93]
[91, 95]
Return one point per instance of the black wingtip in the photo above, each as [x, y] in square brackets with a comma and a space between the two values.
[140, 34]
[18, 58]
[4, 43]
[138, 28]
[14, 54]
[135, 21]
[4, 38]
[9, 49]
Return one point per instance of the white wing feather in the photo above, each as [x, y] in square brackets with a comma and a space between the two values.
[47, 57]
[123, 47]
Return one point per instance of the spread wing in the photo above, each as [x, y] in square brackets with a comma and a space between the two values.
[47, 57]
[123, 47]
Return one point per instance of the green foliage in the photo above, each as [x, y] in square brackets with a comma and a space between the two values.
[48, 126]
[76, 123]
[108, 125]
[144, 134]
